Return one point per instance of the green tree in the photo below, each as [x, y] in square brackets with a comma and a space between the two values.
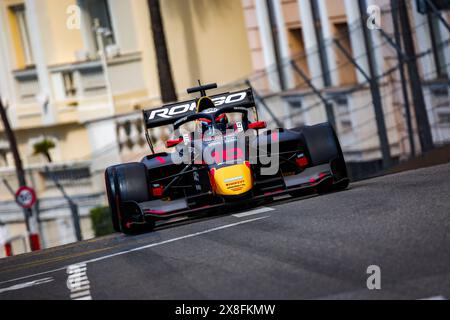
[43, 147]
[101, 221]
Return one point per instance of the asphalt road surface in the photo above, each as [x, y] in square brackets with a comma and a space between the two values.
[312, 248]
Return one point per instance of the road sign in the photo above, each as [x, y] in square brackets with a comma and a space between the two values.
[25, 197]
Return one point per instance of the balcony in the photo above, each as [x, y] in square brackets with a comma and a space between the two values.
[80, 90]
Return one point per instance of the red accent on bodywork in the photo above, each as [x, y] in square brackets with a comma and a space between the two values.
[302, 162]
[155, 212]
[273, 192]
[320, 177]
[228, 155]
[258, 125]
[157, 191]
[220, 117]
[173, 143]
[211, 179]
[161, 160]
[274, 136]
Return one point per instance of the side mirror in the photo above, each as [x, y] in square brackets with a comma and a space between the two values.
[258, 125]
[173, 143]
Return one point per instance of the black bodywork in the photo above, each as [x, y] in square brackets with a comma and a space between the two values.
[310, 161]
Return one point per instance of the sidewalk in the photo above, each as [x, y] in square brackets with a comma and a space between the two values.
[435, 157]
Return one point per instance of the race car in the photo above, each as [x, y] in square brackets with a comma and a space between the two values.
[216, 153]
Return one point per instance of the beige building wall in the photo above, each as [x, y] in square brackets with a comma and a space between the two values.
[72, 143]
[340, 19]
[294, 29]
[254, 37]
[60, 42]
[133, 34]
[207, 40]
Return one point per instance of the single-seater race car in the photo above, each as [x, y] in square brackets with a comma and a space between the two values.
[217, 153]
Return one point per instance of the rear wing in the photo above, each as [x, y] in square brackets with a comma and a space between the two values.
[170, 113]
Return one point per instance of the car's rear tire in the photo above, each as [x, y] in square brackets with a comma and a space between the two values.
[324, 147]
[130, 188]
[321, 143]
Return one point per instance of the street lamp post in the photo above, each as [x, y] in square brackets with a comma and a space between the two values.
[101, 33]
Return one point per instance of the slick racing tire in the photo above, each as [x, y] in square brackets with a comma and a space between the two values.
[131, 188]
[324, 147]
[321, 143]
[110, 178]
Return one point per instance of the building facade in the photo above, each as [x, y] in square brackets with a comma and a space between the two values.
[58, 88]
[324, 41]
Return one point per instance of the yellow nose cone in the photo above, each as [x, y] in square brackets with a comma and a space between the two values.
[233, 180]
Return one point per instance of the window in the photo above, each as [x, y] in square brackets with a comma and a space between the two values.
[69, 84]
[4, 151]
[96, 13]
[343, 114]
[297, 46]
[443, 118]
[296, 110]
[438, 45]
[347, 72]
[440, 92]
[440, 95]
[20, 30]
[66, 176]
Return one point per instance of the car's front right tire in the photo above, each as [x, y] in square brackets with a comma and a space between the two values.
[110, 178]
[127, 185]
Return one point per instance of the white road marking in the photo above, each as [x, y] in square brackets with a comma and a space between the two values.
[78, 283]
[435, 298]
[140, 248]
[27, 284]
[85, 298]
[253, 212]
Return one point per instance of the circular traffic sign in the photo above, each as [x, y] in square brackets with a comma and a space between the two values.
[25, 197]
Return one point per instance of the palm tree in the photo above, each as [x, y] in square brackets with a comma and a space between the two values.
[43, 147]
[168, 93]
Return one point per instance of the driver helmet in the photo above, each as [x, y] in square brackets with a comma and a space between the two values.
[222, 122]
[206, 105]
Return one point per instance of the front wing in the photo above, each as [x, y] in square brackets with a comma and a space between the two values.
[307, 181]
